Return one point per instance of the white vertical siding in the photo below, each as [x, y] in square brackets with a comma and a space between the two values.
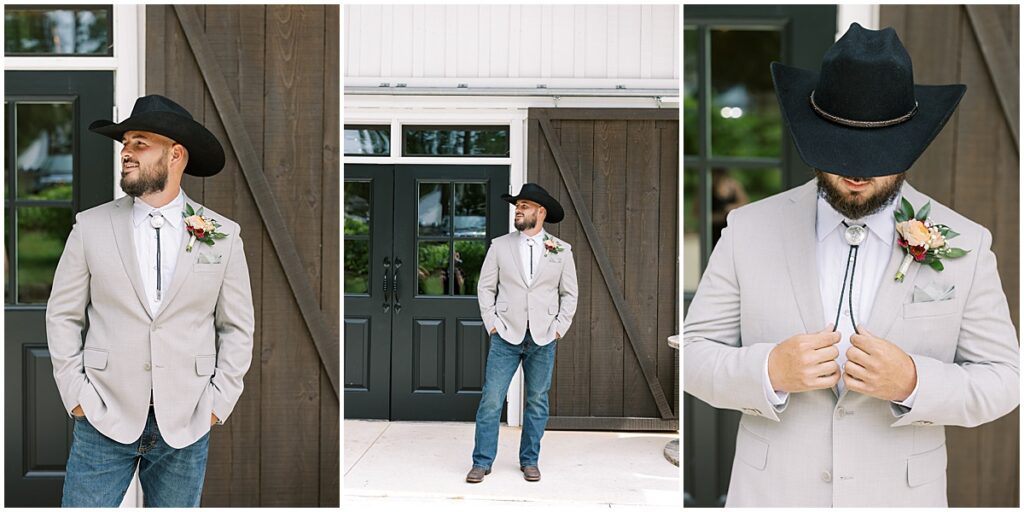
[402, 43]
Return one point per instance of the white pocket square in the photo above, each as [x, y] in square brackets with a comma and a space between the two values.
[934, 292]
[209, 259]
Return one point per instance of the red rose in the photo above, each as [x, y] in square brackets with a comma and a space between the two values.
[901, 241]
[918, 252]
[199, 233]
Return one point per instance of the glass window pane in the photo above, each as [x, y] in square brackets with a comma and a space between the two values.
[57, 31]
[41, 236]
[357, 208]
[435, 209]
[45, 144]
[732, 188]
[488, 141]
[471, 209]
[357, 266]
[691, 230]
[469, 257]
[367, 140]
[432, 268]
[745, 118]
[690, 84]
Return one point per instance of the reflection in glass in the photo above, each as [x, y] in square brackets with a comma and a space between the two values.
[432, 268]
[455, 141]
[471, 209]
[45, 142]
[691, 230]
[41, 236]
[367, 140]
[435, 209]
[690, 92]
[469, 257]
[57, 31]
[745, 118]
[357, 266]
[357, 207]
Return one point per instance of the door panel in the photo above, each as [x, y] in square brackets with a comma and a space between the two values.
[54, 167]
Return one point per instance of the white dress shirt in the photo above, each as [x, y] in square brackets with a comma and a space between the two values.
[524, 253]
[832, 255]
[145, 245]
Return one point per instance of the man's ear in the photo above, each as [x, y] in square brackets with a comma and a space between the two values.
[179, 153]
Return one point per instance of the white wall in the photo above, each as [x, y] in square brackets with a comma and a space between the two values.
[865, 14]
[512, 46]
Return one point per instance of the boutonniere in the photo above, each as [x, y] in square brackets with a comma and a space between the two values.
[552, 245]
[200, 227]
[922, 240]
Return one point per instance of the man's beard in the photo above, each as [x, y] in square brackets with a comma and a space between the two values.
[528, 222]
[856, 210]
[147, 180]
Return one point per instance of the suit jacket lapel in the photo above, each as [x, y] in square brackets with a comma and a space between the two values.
[183, 267]
[540, 266]
[121, 222]
[513, 244]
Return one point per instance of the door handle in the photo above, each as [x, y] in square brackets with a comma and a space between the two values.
[395, 288]
[387, 266]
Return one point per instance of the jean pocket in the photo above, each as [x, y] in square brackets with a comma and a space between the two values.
[78, 419]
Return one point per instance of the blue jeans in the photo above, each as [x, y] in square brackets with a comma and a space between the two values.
[100, 469]
[502, 361]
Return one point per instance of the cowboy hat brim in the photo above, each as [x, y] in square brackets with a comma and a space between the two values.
[860, 152]
[555, 211]
[205, 154]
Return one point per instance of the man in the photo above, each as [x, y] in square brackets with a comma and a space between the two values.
[527, 293]
[846, 359]
[150, 320]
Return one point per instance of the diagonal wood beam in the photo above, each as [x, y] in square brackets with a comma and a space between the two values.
[1001, 63]
[326, 342]
[601, 254]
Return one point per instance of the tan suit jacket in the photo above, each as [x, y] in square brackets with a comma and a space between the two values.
[507, 302]
[819, 449]
[110, 352]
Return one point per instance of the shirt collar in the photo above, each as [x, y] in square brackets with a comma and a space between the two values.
[539, 237]
[171, 211]
[881, 223]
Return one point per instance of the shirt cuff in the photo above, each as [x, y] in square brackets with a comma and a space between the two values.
[774, 397]
[909, 401]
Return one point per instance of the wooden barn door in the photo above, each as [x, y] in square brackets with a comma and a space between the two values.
[973, 166]
[265, 80]
[616, 173]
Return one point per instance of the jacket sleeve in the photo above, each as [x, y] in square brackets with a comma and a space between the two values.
[983, 381]
[717, 368]
[65, 318]
[487, 289]
[234, 323]
[568, 295]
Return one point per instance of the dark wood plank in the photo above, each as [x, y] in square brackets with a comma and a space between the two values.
[606, 331]
[618, 114]
[184, 84]
[584, 266]
[156, 57]
[640, 287]
[668, 243]
[1003, 68]
[330, 417]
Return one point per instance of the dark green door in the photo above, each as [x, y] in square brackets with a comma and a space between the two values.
[415, 345]
[53, 168]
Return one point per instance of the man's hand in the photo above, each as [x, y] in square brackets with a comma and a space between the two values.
[558, 336]
[876, 367]
[77, 411]
[494, 330]
[213, 419]
[805, 362]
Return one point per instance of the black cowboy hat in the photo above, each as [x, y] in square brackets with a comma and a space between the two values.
[536, 193]
[158, 114]
[862, 115]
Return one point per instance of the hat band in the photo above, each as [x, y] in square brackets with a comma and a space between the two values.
[862, 124]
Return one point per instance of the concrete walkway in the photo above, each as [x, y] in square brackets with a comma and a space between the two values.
[411, 463]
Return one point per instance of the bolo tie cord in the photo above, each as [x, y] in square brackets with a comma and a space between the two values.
[851, 260]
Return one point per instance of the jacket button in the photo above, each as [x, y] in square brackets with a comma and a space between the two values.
[147, 366]
[826, 477]
[840, 413]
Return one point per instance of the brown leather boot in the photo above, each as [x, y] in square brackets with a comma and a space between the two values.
[476, 475]
[531, 473]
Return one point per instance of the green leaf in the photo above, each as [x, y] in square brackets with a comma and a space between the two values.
[218, 236]
[908, 209]
[900, 217]
[955, 252]
[200, 211]
[189, 211]
[936, 264]
[950, 234]
[922, 214]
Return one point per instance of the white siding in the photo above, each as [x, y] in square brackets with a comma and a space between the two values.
[512, 44]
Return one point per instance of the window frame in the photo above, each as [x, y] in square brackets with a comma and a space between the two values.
[70, 7]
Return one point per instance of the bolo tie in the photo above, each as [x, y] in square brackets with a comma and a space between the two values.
[156, 220]
[854, 235]
[529, 241]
